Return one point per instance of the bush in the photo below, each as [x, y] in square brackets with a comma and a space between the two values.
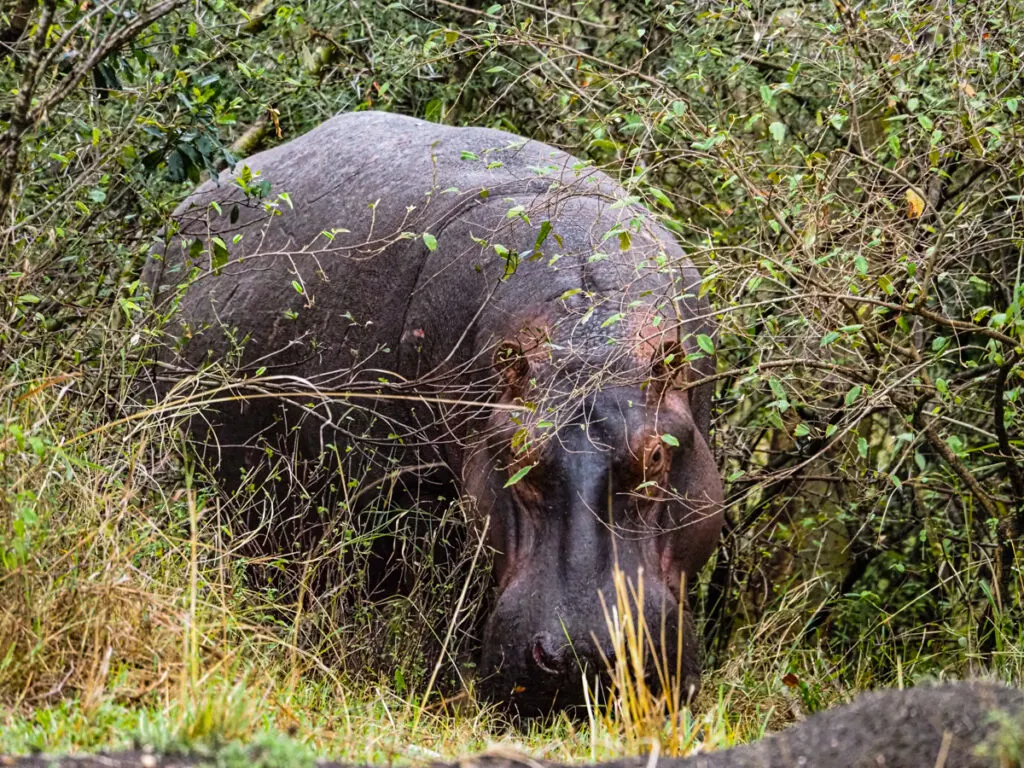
[850, 180]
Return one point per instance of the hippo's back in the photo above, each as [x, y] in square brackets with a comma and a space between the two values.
[315, 266]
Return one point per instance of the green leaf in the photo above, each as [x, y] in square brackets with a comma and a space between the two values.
[545, 230]
[852, 395]
[705, 343]
[777, 389]
[778, 131]
[519, 475]
[39, 449]
[670, 440]
[709, 142]
[612, 320]
[828, 338]
[862, 447]
[520, 440]
[801, 430]
[128, 306]
[220, 255]
[661, 197]
[430, 241]
[434, 111]
[297, 286]
[517, 212]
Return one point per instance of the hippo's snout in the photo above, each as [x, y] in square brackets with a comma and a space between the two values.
[554, 651]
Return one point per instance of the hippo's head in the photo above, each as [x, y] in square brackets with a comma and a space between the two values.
[620, 477]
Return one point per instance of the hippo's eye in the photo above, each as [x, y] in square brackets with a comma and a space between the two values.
[656, 460]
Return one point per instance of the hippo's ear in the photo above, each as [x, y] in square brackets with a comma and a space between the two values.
[668, 365]
[670, 369]
[512, 366]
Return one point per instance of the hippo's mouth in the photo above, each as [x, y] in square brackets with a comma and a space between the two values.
[572, 695]
[544, 686]
[540, 700]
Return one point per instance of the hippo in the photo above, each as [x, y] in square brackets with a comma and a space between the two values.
[463, 308]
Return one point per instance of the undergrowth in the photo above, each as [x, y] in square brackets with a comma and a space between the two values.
[850, 180]
[125, 619]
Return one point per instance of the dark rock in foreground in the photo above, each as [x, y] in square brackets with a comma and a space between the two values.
[961, 725]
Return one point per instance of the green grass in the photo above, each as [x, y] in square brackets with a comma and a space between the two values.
[310, 719]
[124, 619]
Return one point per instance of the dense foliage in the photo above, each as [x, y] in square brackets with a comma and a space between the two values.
[850, 178]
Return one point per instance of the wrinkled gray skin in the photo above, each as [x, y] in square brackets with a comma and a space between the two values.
[962, 725]
[537, 282]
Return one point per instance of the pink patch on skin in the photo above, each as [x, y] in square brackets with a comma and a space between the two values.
[652, 336]
[419, 333]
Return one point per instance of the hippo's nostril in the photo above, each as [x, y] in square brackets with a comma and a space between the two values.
[547, 655]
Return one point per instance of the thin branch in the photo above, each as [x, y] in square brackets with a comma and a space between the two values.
[10, 144]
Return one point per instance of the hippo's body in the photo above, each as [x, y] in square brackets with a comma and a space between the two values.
[494, 309]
